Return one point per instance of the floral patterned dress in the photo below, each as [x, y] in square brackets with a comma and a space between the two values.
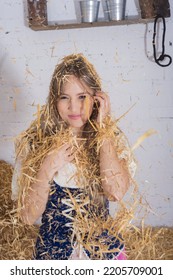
[56, 240]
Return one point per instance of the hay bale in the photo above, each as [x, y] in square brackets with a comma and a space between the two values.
[149, 243]
[6, 171]
[16, 240]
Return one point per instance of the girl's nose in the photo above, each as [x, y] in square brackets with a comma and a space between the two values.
[74, 106]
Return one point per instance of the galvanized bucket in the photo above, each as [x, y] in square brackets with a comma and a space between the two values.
[116, 9]
[89, 10]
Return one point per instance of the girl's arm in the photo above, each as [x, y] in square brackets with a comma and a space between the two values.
[114, 172]
[35, 198]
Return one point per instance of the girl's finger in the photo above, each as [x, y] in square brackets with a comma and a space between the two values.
[71, 157]
[107, 99]
[102, 101]
[102, 95]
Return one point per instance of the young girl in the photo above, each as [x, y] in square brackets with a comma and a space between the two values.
[70, 162]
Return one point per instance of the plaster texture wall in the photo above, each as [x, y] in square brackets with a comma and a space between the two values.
[123, 57]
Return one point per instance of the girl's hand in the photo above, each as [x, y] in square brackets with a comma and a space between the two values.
[104, 106]
[58, 158]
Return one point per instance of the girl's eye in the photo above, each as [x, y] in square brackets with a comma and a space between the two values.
[63, 97]
[82, 97]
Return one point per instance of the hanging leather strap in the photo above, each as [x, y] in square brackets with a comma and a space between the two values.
[163, 55]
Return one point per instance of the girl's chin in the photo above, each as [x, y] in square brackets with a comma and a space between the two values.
[77, 125]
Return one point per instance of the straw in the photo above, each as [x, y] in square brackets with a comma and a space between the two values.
[17, 240]
[47, 134]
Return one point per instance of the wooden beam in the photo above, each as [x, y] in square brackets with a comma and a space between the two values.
[152, 8]
[90, 25]
[37, 12]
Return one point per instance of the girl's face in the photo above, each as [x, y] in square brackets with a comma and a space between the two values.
[75, 103]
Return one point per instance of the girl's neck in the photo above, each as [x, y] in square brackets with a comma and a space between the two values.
[77, 131]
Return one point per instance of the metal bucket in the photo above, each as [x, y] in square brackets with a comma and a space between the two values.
[89, 10]
[116, 9]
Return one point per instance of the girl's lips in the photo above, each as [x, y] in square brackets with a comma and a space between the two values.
[74, 117]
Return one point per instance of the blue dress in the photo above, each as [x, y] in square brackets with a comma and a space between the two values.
[56, 239]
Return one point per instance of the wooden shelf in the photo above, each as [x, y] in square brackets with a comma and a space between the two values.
[88, 25]
[38, 19]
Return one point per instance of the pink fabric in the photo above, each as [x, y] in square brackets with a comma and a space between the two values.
[121, 256]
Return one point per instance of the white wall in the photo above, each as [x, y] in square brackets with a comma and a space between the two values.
[122, 56]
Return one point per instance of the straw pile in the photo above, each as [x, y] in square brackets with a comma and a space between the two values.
[149, 243]
[6, 171]
[17, 240]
